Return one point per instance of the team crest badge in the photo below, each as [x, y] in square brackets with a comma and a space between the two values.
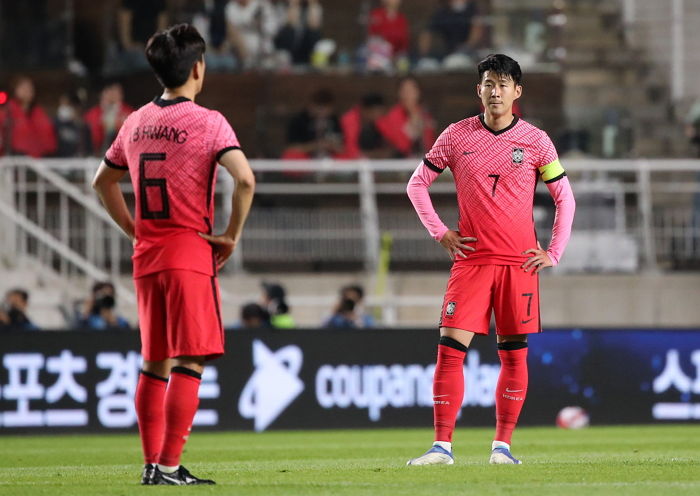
[450, 309]
[518, 155]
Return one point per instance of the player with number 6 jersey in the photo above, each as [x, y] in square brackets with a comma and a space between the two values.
[496, 160]
[170, 148]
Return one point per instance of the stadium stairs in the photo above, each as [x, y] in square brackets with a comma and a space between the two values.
[611, 67]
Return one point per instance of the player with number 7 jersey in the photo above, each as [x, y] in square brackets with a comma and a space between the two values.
[171, 148]
[496, 160]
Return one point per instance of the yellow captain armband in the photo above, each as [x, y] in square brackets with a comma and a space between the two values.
[551, 172]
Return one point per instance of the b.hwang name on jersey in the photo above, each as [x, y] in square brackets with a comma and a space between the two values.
[167, 133]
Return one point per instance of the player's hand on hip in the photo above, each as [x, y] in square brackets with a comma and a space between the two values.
[538, 261]
[455, 245]
[223, 247]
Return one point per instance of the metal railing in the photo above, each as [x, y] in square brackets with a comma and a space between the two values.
[48, 213]
[330, 215]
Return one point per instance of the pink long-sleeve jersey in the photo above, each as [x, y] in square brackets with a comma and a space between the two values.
[495, 176]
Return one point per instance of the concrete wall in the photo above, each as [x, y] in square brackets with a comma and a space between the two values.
[589, 300]
[567, 301]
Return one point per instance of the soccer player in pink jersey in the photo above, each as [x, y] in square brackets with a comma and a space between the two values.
[496, 160]
[170, 148]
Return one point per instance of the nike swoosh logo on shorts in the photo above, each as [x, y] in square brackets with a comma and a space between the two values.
[440, 395]
[513, 390]
[526, 321]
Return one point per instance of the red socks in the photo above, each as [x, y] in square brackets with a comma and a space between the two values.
[181, 402]
[448, 387]
[150, 393]
[511, 389]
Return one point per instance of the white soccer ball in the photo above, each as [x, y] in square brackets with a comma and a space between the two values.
[572, 417]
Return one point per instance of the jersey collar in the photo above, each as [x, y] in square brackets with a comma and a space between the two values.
[166, 103]
[496, 133]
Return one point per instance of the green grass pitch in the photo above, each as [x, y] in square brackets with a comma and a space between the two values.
[632, 460]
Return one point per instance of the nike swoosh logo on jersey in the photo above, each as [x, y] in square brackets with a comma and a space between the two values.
[526, 321]
[468, 153]
[513, 390]
[440, 395]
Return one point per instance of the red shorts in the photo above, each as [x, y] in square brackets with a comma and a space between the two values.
[179, 315]
[474, 291]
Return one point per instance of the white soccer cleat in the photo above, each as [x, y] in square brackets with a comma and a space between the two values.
[502, 456]
[436, 455]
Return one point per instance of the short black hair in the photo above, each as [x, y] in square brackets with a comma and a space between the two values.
[101, 285]
[355, 288]
[502, 65]
[22, 293]
[274, 291]
[172, 53]
[254, 311]
[346, 306]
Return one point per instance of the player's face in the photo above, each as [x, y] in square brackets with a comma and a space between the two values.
[498, 92]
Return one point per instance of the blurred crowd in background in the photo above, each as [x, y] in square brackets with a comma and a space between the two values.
[98, 312]
[242, 35]
[372, 128]
[280, 37]
[273, 35]
[74, 130]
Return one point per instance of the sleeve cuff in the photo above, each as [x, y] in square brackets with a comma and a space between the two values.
[553, 258]
[221, 152]
[432, 166]
[113, 165]
[441, 233]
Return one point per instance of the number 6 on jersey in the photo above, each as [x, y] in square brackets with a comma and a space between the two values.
[145, 183]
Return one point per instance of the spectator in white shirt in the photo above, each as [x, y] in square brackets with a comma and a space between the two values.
[251, 26]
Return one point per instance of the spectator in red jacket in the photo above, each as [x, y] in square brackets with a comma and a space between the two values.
[408, 126]
[26, 129]
[105, 118]
[360, 133]
[388, 23]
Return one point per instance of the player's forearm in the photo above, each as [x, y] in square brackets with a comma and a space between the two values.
[113, 200]
[240, 207]
[417, 191]
[563, 219]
